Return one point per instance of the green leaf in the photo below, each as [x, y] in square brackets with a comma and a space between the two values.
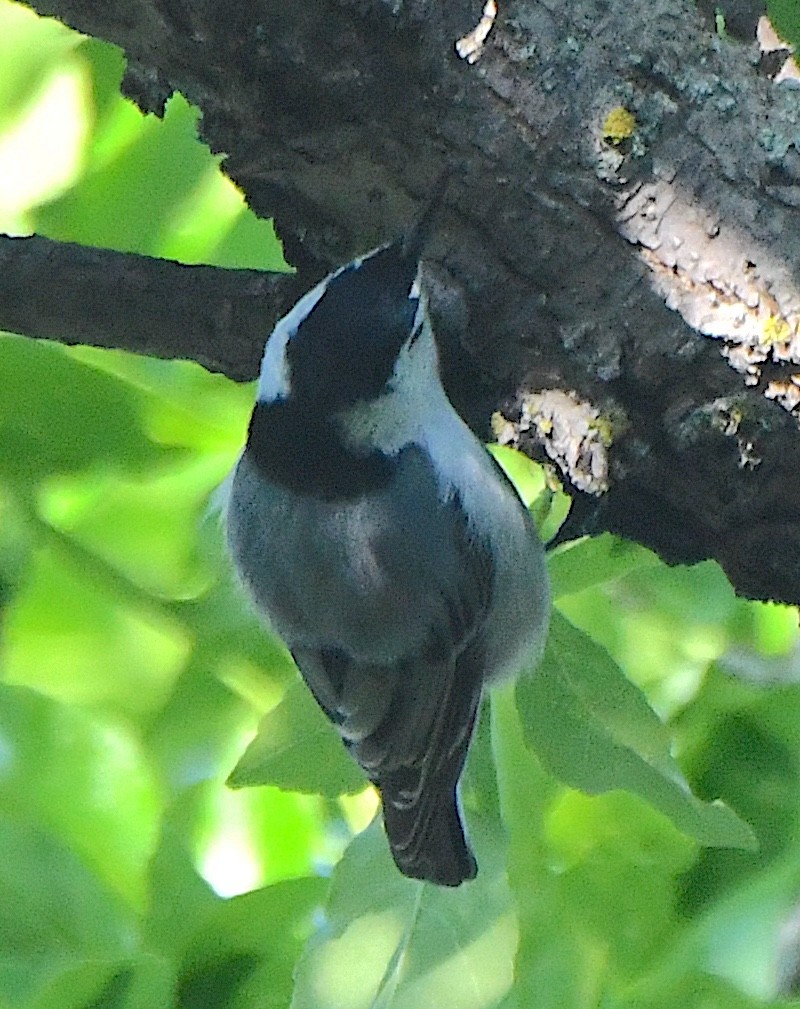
[247, 947]
[57, 415]
[593, 729]
[388, 942]
[296, 748]
[70, 630]
[219, 953]
[548, 507]
[83, 780]
[526, 475]
[61, 932]
[554, 965]
[785, 18]
[735, 939]
[576, 566]
[178, 898]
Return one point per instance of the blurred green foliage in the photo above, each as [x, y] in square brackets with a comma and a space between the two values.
[134, 678]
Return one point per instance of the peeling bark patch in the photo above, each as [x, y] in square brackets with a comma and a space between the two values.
[728, 417]
[571, 431]
[787, 393]
[470, 47]
[716, 280]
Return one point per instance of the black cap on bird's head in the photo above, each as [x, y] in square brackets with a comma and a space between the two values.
[345, 349]
[335, 349]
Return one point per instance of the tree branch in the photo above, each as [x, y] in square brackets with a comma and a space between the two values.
[75, 294]
[654, 280]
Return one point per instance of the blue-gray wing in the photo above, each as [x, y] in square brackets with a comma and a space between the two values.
[409, 722]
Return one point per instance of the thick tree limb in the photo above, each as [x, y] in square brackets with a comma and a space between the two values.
[74, 294]
[630, 276]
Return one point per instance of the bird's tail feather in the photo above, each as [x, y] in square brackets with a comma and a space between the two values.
[426, 836]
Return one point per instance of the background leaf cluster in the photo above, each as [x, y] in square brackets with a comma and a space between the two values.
[134, 678]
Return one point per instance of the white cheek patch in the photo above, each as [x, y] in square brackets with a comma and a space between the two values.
[274, 380]
[413, 404]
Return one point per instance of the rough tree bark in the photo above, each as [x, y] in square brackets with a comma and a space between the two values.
[626, 290]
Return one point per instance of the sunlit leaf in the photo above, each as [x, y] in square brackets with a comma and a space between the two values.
[82, 779]
[59, 416]
[554, 965]
[297, 748]
[594, 730]
[578, 565]
[77, 636]
[157, 189]
[388, 941]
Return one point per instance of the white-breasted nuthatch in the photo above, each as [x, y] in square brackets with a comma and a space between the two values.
[385, 546]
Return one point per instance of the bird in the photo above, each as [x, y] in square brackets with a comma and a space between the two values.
[384, 545]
